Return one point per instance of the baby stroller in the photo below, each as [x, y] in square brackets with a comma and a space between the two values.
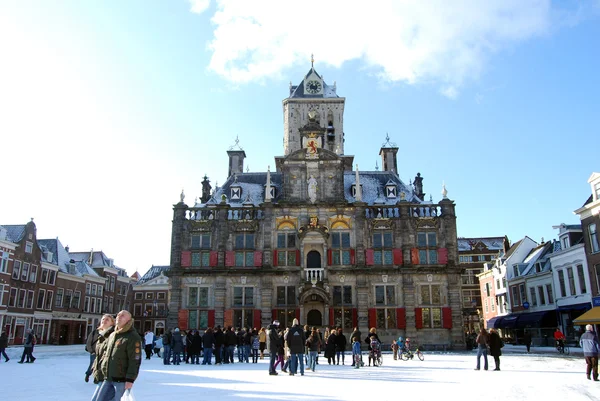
[375, 353]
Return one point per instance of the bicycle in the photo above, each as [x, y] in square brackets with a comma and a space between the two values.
[562, 348]
[408, 354]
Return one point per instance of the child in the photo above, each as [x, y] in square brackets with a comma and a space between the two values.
[255, 348]
[356, 352]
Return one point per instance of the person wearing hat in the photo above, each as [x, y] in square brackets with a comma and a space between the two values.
[274, 341]
[591, 350]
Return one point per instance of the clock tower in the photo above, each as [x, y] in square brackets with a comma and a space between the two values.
[313, 100]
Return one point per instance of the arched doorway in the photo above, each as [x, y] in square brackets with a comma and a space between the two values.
[314, 318]
[313, 260]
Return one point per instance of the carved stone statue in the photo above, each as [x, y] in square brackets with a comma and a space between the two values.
[312, 189]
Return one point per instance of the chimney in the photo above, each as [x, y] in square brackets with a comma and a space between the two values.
[388, 154]
[236, 162]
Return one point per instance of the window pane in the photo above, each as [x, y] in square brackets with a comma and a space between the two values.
[193, 319]
[421, 240]
[335, 257]
[345, 240]
[291, 295]
[377, 240]
[390, 295]
[291, 241]
[281, 258]
[387, 240]
[249, 318]
[390, 319]
[437, 317]
[435, 295]
[423, 257]
[249, 296]
[335, 240]
[345, 257]
[193, 296]
[239, 258]
[377, 257]
[206, 241]
[205, 259]
[280, 240]
[381, 318]
[291, 258]
[249, 259]
[337, 295]
[203, 319]
[195, 259]
[195, 241]
[239, 241]
[280, 295]
[431, 239]
[379, 295]
[237, 318]
[425, 295]
[237, 296]
[347, 295]
[249, 241]
[388, 258]
[426, 316]
[203, 297]
[433, 257]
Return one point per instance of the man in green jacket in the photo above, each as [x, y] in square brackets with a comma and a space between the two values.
[121, 362]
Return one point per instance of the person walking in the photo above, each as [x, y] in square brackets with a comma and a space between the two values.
[149, 343]
[167, 338]
[482, 341]
[262, 339]
[313, 344]
[3, 346]
[591, 349]
[340, 346]
[274, 342]
[122, 359]
[527, 340]
[90, 347]
[28, 348]
[495, 344]
[295, 339]
[107, 326]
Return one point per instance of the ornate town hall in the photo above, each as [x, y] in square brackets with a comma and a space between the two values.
[317, 239]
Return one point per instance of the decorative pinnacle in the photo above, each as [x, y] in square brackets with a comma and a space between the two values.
[387, 143]
[236, 144]
[312, 60]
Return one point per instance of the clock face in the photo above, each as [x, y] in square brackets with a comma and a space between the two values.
[313, 86]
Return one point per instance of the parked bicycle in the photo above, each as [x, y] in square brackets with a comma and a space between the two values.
[562, 348]
[408, 354]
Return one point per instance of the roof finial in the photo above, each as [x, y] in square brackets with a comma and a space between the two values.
[312, 60]
[444, 190]
[248, 169]
[376, 166]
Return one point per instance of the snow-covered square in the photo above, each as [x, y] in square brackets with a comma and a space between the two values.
[58, 374]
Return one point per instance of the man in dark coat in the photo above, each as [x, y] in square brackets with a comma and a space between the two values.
[495, 344]
[527, 340]
[296, 342]
[167, 339]
[3, 346]
[28, 348]
[90, 347]
[219, 341]
[229, 345]
[208, 343]
[177, 346]
[340, 346]
[274, 342]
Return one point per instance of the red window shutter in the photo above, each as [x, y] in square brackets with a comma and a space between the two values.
[401, 318]
[213, 259]
[257, 321]
[329, 257]
[447, 317]
[298, 314]
[258, 258]
[182, 319]
[352, 257]
[273, 315]
[211, 318]
[297, 257]
[397, 253]
[355, 318]
[227, 318]
[443, 256]
[418, 318]
[370, 257]
[186, 259]
[275, 257]
[331, 317]
[414, 256]
[229, 259]
[372, 318]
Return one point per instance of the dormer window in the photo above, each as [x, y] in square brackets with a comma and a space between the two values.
[391, 191]
[236, 193]
[272, 191]
[597, 190]
[564, 242]
[353, 190]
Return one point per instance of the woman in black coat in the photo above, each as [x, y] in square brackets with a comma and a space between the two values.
[340, 345]
[495, 344]
[330, 347]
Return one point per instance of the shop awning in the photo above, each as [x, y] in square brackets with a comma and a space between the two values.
[494, 323]
[590, 317]
[509, 321]
[537, 319]
[583, 306]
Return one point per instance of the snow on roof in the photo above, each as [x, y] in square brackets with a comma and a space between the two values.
[154, 272]
[62, 258]
[491, 243]
[14, 233]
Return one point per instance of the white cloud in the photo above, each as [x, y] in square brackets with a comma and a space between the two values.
[199, 6]
[413, 41]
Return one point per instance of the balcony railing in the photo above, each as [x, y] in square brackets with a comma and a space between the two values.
[315, 275]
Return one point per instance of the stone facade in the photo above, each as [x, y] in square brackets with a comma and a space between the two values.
[318, 241]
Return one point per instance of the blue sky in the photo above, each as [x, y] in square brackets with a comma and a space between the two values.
[108, 109]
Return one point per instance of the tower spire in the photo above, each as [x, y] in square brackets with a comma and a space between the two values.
[312, 60]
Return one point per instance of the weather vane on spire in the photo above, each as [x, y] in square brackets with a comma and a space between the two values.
[312, 60]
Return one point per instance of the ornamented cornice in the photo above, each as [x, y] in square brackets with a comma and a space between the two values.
[340, 222]
[286, 223]
[201, 225]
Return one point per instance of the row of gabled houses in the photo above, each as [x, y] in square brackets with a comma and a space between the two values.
[540, 287]
[59, 294]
